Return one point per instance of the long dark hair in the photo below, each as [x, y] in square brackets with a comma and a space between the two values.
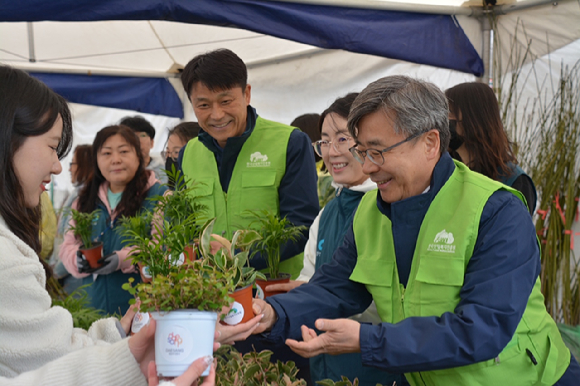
[85, 167]
[484, 137]
[28, 108]
[135, 191]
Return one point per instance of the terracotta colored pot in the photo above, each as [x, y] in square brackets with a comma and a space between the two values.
[261, 284]
[144, 272]
[190, 253]
[241, 310]
[93, 254]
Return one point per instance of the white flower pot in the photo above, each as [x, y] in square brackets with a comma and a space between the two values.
[181, 337]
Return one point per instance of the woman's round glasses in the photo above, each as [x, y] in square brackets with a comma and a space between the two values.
[376, 156]
[340, 144]
[173, 154]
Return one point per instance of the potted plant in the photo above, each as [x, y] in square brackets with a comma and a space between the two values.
[185, 302]
[274, 232]
[157, 252]
[179, 206]
[233, 257]
[83, 229]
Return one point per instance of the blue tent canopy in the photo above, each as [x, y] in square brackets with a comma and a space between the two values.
[435, 40]
[117, 92]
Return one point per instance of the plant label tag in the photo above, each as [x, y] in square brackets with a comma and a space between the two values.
[235, 315]
[146, 272]
[140, 320]
[259, 292]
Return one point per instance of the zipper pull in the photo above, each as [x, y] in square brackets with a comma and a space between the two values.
[533, 359]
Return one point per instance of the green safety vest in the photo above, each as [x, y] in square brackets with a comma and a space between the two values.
[256, 177]
[444, 247]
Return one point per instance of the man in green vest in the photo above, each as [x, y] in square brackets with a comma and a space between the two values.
[449, 256]
[242, 161]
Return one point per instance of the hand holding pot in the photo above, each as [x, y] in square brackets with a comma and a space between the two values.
[284, 287]
[341, 336]
[261, 307]
[231, 334]
[82, 263]
[109, 264]
[189, 377]
[142, 346]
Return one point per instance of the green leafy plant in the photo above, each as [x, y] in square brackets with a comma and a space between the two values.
[233, 256]
[83, 227]
[180, 205]
[161, 249]
[274, 232]
[254, 369]
[77, 303]
[192, 285]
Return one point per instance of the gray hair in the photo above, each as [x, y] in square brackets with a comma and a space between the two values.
[416, 106]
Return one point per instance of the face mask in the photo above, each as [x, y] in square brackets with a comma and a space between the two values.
[456, 140]
[171, 163]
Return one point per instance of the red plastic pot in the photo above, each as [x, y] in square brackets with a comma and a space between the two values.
[241, 310]
[93, 254]
[262, 284]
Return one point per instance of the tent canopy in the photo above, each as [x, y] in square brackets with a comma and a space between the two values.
[397, 35]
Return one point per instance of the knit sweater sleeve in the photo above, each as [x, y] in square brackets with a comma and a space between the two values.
[92, 366]
[32, 333]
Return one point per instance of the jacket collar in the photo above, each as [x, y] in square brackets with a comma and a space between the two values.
[105, 186]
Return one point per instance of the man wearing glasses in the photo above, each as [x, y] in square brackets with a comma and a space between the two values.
[449, 256]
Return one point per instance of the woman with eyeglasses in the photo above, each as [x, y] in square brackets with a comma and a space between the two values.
[479, 140]
[327, 232]
[177, 138]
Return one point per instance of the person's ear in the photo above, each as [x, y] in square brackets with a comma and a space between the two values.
[248, 93]
[432, 143]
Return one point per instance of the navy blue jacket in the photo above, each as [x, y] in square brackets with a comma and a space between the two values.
[491, 306]
[298, 195]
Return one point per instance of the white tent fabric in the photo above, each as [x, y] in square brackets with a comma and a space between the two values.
[288, 78]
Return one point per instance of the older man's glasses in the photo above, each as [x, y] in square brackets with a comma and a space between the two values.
[340, 144]
[376, 156]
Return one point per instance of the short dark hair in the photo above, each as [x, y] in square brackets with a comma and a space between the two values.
[309, 123]
[217, 70]
[484, 136]
[139, 124]
[185, 131]
[341, 107]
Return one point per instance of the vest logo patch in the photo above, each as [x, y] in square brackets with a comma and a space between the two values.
[443, 242]
[258, 160]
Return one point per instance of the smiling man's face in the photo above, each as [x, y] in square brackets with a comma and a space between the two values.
[222, 113]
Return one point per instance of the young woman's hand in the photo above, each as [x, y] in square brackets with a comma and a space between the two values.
[190, 376]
